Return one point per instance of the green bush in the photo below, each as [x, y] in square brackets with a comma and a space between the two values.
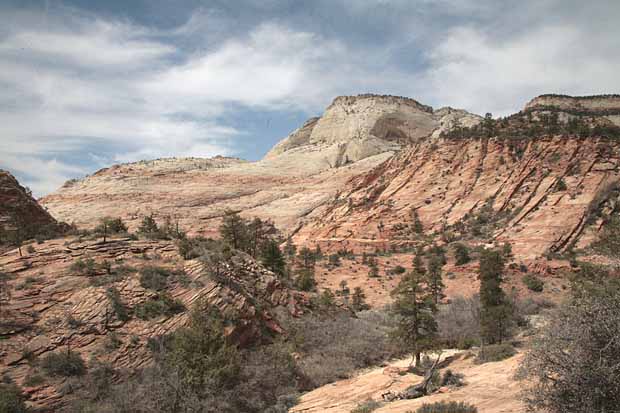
[447, 407]
[83, 267]
[154, 278]
[367, 406]
[461, 254]
[495, 352]
[64, 363]
[533, 283]
[162, 305]
[11, 399]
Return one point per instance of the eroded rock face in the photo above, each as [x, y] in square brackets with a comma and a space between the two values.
[51, 308]
[576, 103]
[18, 207]
[448, 181]
[291, 184]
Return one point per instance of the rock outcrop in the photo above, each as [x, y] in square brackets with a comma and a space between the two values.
[544, 194]
[289, 185]
[51, 307]
[18, 207]
[604, 106]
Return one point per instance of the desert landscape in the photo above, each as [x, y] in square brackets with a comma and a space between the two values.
[309, 207]
[109, 265]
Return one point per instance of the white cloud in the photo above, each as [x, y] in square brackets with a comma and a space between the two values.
[71, 82]
[471, 69]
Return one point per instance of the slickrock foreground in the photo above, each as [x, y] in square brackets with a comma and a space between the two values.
[490, 386]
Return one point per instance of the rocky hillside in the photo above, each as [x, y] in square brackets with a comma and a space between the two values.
[299, 175]
[91, 297]
[538, 179]
[542, 193]
[18, 209]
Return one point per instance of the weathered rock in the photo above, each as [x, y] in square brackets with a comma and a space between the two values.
[51, 308]
[289, 185]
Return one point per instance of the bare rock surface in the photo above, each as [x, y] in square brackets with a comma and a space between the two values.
[18, 206]
[448, 181]
[490, 386]
[291, 183]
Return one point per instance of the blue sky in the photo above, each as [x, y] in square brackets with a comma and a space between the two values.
[85, 84]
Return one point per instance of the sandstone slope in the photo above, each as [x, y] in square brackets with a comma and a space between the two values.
[490, 386]
[295, 179]
[545, 193]
[52, 308]
[18, 207]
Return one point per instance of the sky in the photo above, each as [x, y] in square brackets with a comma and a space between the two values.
[86, 84]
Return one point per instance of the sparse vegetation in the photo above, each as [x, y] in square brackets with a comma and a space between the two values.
[161, 305]
[12, 400]
[533, 283]
[63, 363]
[447, 407]
[495, 352]
[367, 407]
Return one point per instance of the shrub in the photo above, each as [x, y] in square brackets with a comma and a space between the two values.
[162, 305]
[447, 407]
[83, 267]
[533, 283]
[459, 322]
[32, 381]
[450, 378]
[336, 346]
[461, 254]
[11, 399]
[572, 365]
[334, 260]
[495, 352]
[65, 363]
[399, 269]
[367, 406]
[117, 304]
[154, 278]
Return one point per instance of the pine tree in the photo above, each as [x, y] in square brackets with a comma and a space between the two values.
[435, 283]
[234, 230]
[272, 258]
[496, 311]
[318, 253]
[306, 258]
[414, 306]
[416, 224]
[418, 265]
[149, 227]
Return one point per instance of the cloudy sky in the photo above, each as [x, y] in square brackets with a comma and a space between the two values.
[85, 84]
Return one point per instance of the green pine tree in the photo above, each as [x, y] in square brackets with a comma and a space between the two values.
[434, 276]
[414, 307]
[272, 258]
[496, 313]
